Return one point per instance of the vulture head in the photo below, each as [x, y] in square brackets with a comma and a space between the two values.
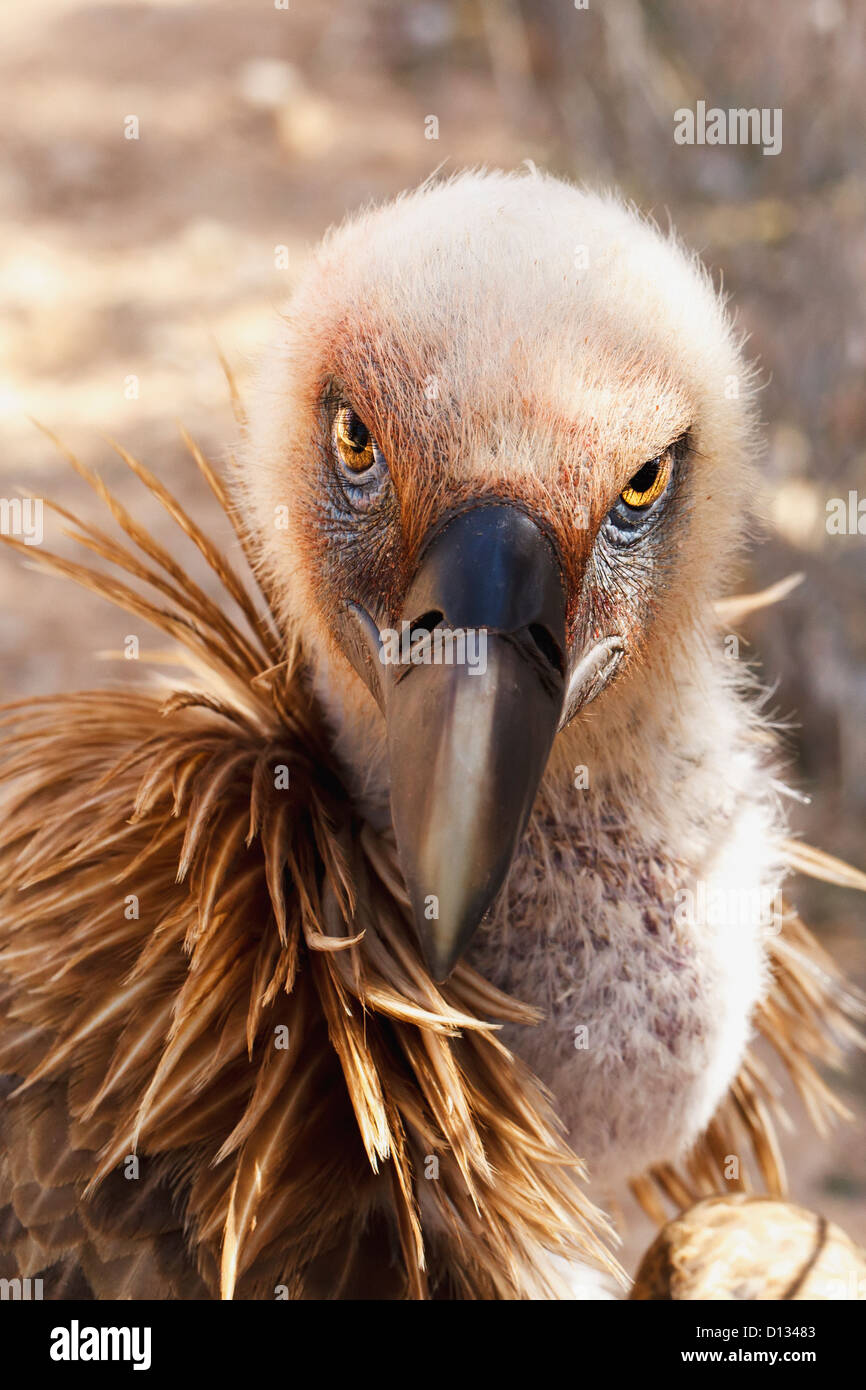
[497, 466]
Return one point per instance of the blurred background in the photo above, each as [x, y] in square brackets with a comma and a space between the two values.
[125, 262]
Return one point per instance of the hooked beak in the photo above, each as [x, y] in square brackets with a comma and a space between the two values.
[473, 688]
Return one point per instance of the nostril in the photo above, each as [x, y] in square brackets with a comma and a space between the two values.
[548, 647]
[426, 622]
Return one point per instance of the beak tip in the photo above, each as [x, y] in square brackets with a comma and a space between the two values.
[440, 956]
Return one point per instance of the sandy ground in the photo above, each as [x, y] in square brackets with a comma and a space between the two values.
[123, 262]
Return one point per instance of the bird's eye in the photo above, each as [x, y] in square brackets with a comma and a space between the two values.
[353, 441]
[361, 467]
[648, 483]
[640, 500]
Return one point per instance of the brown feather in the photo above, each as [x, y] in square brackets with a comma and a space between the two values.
[266, 1166]
[259, 907]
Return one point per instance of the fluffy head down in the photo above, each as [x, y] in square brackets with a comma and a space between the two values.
[505, 335]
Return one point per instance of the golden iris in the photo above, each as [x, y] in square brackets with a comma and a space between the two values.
[648, 483]
[354, 441]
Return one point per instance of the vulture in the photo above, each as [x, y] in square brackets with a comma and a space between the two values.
[439, 868]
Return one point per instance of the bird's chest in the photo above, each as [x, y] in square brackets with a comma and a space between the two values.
[644, 1018]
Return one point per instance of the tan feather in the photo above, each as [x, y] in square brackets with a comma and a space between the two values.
[259, 908]
[734, 610]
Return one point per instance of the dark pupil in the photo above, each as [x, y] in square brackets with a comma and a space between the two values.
[643, 481]
[357, 433]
